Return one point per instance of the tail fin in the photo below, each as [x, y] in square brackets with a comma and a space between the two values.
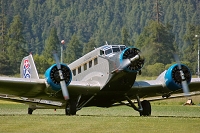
[28, 69]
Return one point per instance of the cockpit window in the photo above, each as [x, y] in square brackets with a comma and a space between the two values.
[116, 49]
[122, 48]
[108, 51]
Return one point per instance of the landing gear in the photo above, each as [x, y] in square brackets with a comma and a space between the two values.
[167, 95]
[71, 107]
[31, 108]
[30, 111]
[146, 108]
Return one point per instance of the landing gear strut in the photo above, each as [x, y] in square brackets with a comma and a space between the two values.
[144, 107]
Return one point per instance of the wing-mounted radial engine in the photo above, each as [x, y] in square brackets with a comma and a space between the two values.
[173, 79]
[131, 60]
[53, 78]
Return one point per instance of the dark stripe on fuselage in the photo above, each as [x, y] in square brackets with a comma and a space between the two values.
[122, 81]
[114, 90]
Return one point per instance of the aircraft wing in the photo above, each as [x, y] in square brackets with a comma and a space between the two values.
[152, 88]
[38, 88]
[42, 104]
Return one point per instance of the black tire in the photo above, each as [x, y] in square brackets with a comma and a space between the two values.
[146, 108]
[30, 111]
[71, 107]
[67, 109]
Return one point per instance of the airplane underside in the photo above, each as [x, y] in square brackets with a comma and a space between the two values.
[144, 107]
[113, 92]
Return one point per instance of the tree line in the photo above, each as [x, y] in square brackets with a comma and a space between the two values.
[159, 28]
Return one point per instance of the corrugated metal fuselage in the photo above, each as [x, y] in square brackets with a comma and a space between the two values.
[113, 86]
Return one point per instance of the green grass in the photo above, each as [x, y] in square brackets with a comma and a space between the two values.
[165, 118]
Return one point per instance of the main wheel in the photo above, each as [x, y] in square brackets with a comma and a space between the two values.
[71, 107]
[146, 108]
[30, 111]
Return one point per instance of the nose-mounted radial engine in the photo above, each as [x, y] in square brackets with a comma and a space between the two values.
[131, 60]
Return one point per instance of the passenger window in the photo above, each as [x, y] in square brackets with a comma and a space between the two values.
[95, 61]
[85, 66]
[74, 72]
[101, 52]
[79, 69]
[90, 63]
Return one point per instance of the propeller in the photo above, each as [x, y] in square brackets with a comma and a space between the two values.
[126, 62]
[62, 81]
[184, 82]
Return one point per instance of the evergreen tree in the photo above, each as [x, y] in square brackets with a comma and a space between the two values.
[16, 43]
[52, 44]
[41, 63]
[4, 60]
[191, 46]
[102, 20]
[2, 27]
[157, 49]
[89, 46]
[125, 37]
[74, 50]
[4, 65]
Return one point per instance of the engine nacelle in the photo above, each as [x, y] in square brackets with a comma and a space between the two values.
[129, 53]
[53, 78]
[173, 78]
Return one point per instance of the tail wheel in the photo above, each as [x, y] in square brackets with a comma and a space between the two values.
[146, 108]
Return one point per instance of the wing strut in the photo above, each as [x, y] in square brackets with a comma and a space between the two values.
[85, 102]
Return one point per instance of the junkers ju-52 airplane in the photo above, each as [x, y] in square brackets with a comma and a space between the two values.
[102, 78]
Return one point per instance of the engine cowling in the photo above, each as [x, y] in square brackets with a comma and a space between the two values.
[53, 78]
[173, 79]
[129, 53]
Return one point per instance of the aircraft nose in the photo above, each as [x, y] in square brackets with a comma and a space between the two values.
[131, 60]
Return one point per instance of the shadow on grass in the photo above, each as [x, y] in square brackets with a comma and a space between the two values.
[105, 116]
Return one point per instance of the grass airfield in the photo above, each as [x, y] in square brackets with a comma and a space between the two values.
[167, 116]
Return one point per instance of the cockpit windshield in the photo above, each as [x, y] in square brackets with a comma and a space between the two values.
[115, 49]
[122, 48]
[108, 49]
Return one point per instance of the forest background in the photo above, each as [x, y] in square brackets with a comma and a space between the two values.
[159, 28]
